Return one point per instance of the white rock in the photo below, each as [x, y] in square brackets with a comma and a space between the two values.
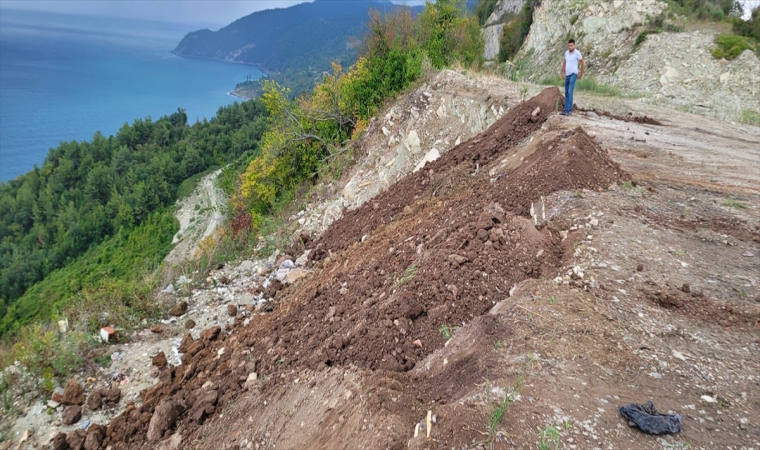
[413, 142]
[430, 156]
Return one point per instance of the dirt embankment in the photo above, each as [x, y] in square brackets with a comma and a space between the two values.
[525, 253]
[437, 255]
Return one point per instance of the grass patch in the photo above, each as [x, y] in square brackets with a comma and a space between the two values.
[730, 46]
[548, 439]
[586, 85]
[631, 187]
[731, 203]
[409, 275]
[573, 19]
[446, 332]
[750, 117]
[497, 410]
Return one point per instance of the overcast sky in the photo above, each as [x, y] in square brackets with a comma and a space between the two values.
[205, 12]
[201, 12]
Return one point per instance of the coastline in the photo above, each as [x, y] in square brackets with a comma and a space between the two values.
[233, 94]
[258, 67]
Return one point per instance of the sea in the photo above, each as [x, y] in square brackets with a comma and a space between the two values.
[64, 77]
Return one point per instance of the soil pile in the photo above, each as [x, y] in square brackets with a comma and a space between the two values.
[515, 126]
[433, 262]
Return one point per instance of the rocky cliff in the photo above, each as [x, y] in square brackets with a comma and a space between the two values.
[504, 10]
[605, 32]
[676, 69]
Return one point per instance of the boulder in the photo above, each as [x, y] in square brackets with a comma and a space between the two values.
[164, 418]
[112, 396]
[190, 324]
[171, 443]
[95, 400]
[159, 360]
[204, 406]
[73, 394]
[59, 442]
[413, 142]
[94, 437]
[232, 310]
[492, 214]
[71, 414]
[210, 334]
[178, 309]
[75, 439]
[295, 275]
[430, 156]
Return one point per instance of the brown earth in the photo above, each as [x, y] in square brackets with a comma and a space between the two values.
[381, 307]
[491, 268]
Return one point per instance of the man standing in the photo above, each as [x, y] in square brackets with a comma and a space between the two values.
[570, 74]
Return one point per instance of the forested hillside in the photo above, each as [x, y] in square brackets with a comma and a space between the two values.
[293, 45]
[106, 190]
[309, 35]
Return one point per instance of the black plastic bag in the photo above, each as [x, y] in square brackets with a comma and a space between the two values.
[649, 420]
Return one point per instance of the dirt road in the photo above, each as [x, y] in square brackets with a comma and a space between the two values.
[199, 215]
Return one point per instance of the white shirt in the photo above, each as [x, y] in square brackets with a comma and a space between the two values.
[571, 61]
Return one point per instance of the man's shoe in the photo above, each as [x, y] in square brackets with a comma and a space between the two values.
[563, 113]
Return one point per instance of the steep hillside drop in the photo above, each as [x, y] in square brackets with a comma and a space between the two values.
[459, 240]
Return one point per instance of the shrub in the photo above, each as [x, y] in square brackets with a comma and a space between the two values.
[515, 31]
[748, 28]
[484, 10]
[448, 34]
[642, 37]
[306, 132]
[730, 46]
[750, 117]
[715, 10]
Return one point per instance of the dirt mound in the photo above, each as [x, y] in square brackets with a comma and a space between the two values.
[479, 151]
[432, 264]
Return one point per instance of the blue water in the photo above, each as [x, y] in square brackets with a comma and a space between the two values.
[63, 78]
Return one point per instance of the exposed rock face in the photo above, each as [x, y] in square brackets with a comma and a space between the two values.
[678, 68]
[504, 10]
[604, 31]
[672, 68]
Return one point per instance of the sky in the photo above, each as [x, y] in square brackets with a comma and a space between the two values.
[198, 12]
[209, 13]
